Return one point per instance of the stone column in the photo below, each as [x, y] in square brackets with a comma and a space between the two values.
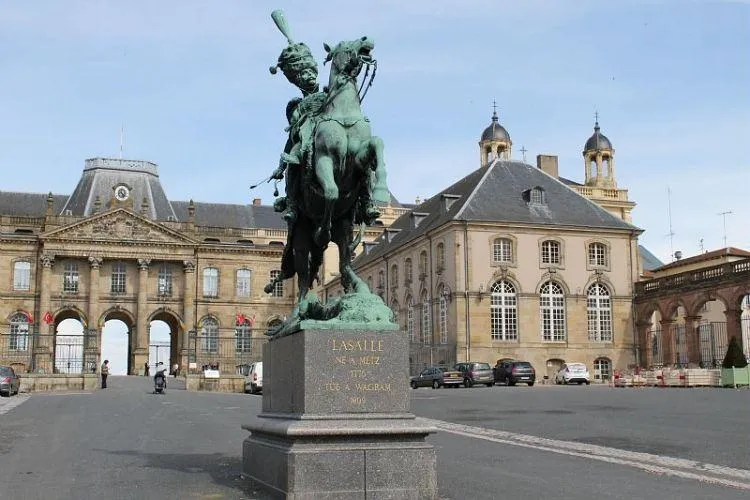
[643, 329]
[141, 332]
[93, 335]
[599, 169]
[43, 345]
[692, 338]
[188, 303]
[734, 325]
[667, 342]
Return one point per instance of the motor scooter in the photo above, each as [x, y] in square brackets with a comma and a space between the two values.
[160, 382]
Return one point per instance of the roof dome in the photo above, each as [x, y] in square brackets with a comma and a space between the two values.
[495, 132]
[597, 141]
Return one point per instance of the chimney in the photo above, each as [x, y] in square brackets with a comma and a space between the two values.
[256, 202]
[548, 164]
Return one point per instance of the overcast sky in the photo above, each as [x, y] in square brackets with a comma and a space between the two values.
[189, 82]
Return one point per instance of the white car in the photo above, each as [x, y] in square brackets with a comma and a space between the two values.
[254, 378]
[573, 372]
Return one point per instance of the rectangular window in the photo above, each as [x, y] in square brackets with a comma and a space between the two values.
[243, 339]
[70, 277]
[278, 289]
[243, 282]
[164, 281]
[22, 276]
[210, 282]
[502, 250]
[19, 335]
[550, 252]
[118, 277]
[597, 254]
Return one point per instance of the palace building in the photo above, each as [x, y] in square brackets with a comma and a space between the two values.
[514, 261]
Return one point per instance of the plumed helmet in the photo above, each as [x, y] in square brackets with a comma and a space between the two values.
[294, 58]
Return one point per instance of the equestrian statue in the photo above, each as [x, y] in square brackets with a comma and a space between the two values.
[335, 180]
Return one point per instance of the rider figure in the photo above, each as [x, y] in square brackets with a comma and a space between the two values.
[301, 69]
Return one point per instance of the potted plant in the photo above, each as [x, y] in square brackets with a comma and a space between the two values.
[734, 368]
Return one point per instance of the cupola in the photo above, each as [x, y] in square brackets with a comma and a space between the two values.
[599, 159]
[495, 142]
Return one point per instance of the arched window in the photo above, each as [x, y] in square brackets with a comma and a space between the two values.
[599, 308]
[408, 272]
[394, 276]
[22, 276]
[552, 312]
[550, 252]
[502, 250]
[536, 196]
[381, 281]
[597, 254]
[602, 369]
[278, 288]
[243, 334]
[410, 317]
[243, 282]
[70, 277]
[210, 334]
[369, 283]
[426, 323]
[210, 282]
[443, 312]
[503, 312]
[422, 264]
[440, 257]
[19, 332]
[164, 280]
[117, 280]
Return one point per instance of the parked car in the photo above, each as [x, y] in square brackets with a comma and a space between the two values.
[475, 373]
[573, 372]
[435, 377]
[511, 372]
[254, 378]
[9, 382]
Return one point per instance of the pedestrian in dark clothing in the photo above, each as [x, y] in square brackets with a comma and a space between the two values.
[145, 365]
[105, 373]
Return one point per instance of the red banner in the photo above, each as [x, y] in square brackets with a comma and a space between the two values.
[48, 317]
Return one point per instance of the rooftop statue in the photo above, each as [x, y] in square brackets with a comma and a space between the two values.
[335, 177]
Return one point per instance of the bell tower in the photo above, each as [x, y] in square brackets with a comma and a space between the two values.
[599, 160]
[599, 185]
[495, 143]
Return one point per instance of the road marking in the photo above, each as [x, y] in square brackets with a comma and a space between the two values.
[17, 400]
[658, 464]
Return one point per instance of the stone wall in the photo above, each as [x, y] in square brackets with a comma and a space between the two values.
[225, 383]
[32, 382]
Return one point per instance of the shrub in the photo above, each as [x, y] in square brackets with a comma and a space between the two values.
[734, 357]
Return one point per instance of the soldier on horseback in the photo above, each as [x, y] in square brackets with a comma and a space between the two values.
[301, 69]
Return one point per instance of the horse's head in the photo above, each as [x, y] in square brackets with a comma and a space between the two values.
[347, 58]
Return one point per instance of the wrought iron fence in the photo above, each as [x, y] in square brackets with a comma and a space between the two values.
[228, 353]
[655, 345]
[70, 354]
[713, 343]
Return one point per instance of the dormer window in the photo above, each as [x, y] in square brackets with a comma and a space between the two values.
[535, 196]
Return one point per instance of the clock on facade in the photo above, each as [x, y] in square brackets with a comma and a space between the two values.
[122, 193]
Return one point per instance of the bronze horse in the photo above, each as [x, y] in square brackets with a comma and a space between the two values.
[346, 157]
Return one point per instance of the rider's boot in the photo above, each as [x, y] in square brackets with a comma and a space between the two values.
[290, 214]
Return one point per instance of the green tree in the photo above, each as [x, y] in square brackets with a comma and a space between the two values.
[734, 357]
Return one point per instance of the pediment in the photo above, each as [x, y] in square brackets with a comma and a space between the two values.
[119, 225]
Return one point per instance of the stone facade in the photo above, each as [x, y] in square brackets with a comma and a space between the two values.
[118, 263]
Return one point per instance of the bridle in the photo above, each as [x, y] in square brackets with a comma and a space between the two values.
[365, 85]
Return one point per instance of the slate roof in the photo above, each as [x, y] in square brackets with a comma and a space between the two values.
[29, 204]
[101, 175]
[712, 255]
[649, 261]
[496, 194]
[230, 215]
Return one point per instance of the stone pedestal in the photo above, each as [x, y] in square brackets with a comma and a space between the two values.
[336, 423]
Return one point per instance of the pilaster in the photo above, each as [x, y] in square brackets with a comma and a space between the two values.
[692, 324]
[188, 302]
[42, 348]
[734, 327]
[141, 345]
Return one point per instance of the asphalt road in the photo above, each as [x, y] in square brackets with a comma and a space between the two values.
[501, 442]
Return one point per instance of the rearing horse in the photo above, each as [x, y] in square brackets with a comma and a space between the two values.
[347, 159]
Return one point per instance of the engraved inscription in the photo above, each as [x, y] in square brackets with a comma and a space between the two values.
[362, 377]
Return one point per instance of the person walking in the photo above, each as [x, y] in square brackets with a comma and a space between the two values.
[145, 366]
[105, 373]
[176, 370]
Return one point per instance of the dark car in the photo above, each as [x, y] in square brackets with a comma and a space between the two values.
[512, 372]
[9, 382]
[435, 377]
[476, 373]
